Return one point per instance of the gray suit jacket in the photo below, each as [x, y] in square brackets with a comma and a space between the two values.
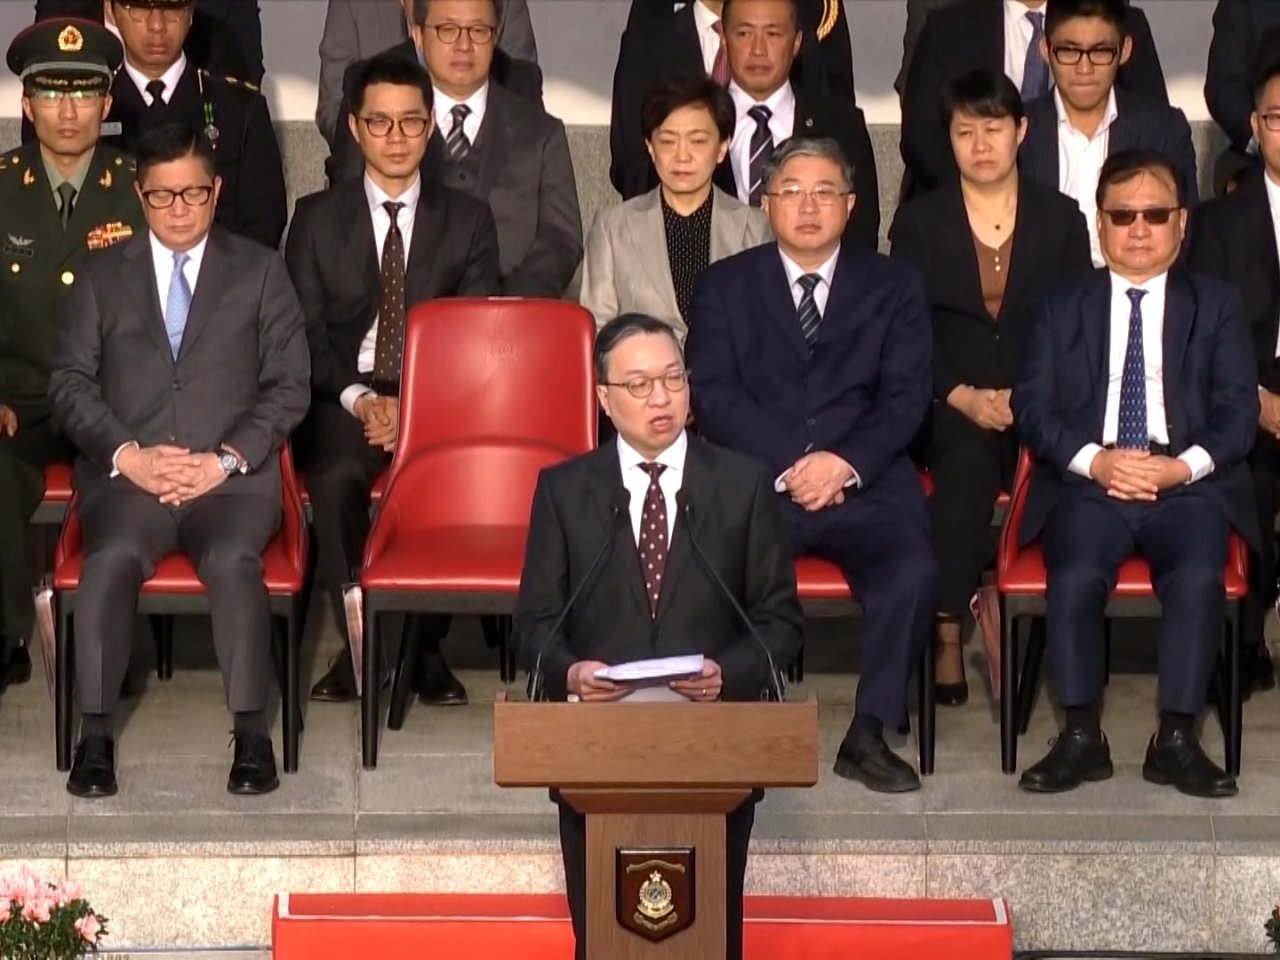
[241, 377]
[356, 29]
[626, 268]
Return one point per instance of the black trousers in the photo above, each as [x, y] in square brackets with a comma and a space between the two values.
[126, 532]
[1264, 465]
[1183, 537]
[969, 467]
[573, 847]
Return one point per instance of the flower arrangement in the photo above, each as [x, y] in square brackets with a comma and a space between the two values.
[40, 920]
[1273, 928]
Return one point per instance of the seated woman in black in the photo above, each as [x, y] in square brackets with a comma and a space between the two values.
[989, 244]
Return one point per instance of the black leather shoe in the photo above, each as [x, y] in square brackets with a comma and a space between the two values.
[18, 669]
[253, 771]
[339, 684]
[866, 758]
[951, 694]
[436, 684]
[1178, 761]
[93, 774]
[1074, 758]
[1257, 673]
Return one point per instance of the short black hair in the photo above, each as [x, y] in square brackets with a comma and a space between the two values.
[793, 4]
[1058, 12]
[1127, 164]
[1266, 65]
[982, 93]
[167, 142]
[687, 90]
[622, 327]
[391, 69]
[420, 8]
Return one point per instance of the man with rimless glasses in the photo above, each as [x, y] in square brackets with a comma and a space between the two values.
[1085, 118]
[1138, 397]
[61, 195]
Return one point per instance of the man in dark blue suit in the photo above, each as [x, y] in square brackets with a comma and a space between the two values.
[813, 356]
[1138, 397]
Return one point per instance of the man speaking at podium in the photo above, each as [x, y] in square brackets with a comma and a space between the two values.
[601, 588]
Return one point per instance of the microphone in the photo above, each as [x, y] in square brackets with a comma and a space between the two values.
[616, 513]
[686, 510]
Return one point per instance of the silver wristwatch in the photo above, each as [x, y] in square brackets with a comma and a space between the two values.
[231, 464]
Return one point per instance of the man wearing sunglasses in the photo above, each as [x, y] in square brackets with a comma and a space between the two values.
[180, 370]
[1072, 130]
[1235, 238]
[61, 195]
[1138, 398]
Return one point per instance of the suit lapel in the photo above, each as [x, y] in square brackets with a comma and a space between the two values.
[606, 491]
[429, 225]
[649, 237]
[1179, 317]
[728, 226]
[1042, 141]
[140, 284]
[988, 34]
[956, 236]
[775, 292]
[357, 227]
[214, 279]
[494, 139]
[686, 46]
[1022, 262]
[700, 493]
[1095, 317]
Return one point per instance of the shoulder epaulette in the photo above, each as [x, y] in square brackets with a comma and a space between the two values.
[231, 81]
[830, 13]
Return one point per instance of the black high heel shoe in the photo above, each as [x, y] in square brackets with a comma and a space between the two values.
[952, 694]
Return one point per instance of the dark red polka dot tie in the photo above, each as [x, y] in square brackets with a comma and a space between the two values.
[653, 535]
[389, 348]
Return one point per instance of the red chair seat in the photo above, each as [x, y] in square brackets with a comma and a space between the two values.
[57, 482]
[465, 559]
[820, 580]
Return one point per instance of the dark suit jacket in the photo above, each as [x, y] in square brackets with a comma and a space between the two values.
[1238, 29]
[824, 116]
[863, 392]
[737, 524]
[967, 35]
[333, 260]
[1210, 389]
[932, 233]
[240, 378]
[1233, 239]
[225, 37]
[1140, 124]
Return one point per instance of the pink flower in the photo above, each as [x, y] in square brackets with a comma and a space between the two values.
[66, 892]
[88, 927]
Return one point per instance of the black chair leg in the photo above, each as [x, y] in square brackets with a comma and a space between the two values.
[497, 630]
[1029, 684]
[928, 708]
[1106, 652]
[64, 672]
[1233, 732]
[290, 699]
[1008, 692]
[371, 686]
[406, 670]
[162, 628]
[799, 665]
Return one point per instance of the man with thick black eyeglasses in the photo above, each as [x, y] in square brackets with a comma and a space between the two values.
[361, 254]
[1138, 398]
[1085, 118]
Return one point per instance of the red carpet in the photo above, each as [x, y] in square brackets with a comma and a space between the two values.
[500, 927]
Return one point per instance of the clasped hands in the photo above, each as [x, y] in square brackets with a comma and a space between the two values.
[1137, 474]
[1269, 412]
[381, 419]
[8, 421]
[817, 480]
[173, 474]
[987, 408]
[587, 687]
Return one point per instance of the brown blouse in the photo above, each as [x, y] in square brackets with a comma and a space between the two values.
[993, 269]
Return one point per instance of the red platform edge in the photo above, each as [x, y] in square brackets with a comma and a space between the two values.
[536, 926]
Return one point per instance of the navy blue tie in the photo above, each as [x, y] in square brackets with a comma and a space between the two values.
[810, 316]
[1132, 430]
[1035, 72]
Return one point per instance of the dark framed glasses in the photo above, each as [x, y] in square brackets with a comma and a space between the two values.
[1155, 216]
[673, 381]
[411, 128]
[1100, 56]
[164, 199]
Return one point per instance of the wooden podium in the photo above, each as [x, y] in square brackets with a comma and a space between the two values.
[655, 781]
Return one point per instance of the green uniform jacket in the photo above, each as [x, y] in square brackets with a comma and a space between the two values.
[38, 259]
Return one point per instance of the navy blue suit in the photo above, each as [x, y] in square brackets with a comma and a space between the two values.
[1059, 401]
[861, 394]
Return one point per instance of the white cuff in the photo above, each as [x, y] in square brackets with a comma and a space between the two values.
[1083, 460]
[1198, 460]
[349, 396]
[115, 471]
[780, 484]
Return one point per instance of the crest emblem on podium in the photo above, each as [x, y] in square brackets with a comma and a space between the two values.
[655, 891]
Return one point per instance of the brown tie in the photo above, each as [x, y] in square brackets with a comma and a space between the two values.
[653, 535]
[389, 350]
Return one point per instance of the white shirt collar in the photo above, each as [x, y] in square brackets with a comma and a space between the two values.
[1273, 196]
[162, 254]
[1108, 118]
[703, 19]
[1018, 10]
[794, 271]
[170, 78]
[1154, 287]
[672, 457]
[377, 196]
[444, 103]
[743, 101]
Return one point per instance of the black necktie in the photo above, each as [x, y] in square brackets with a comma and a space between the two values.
[389, 349]
[67, 197]
[810, 316]
[155, 90]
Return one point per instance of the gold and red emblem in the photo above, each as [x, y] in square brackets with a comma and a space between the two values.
[70, 40]
[108, 235]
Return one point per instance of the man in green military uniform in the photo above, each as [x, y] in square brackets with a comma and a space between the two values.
[60, 196]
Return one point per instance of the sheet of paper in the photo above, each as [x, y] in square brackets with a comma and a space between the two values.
[656, 694]
[648, 671]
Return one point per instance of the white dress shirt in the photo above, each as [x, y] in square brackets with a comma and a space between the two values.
[1273, 201]
[1080, 160]
[1017, 39]
[782, 121]
[704, 21]
[1196, 457]
[170, 78]
[478, 102]
[637, 481]
[381, 227]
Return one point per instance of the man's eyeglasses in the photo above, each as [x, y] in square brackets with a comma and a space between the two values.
[164, 199]
[794, 196]
[138, 12]
[448, 33]
[1271, 121]
[77, 98]
[642, 387]
[1069, 56]
[411, 127]
[1156, 216]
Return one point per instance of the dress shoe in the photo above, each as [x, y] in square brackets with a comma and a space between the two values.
[253, 771]
[1177, 760]
[93, 774]
[1257, 673]
[866, 758]
[436, 684]
[338, 685]
[952, 694]
[18, 668]
[1076, 756]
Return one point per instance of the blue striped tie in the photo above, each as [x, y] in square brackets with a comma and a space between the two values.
[178, 304]
[1035, 72]
[810, 317]
[1132, 433]
[761, 148]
